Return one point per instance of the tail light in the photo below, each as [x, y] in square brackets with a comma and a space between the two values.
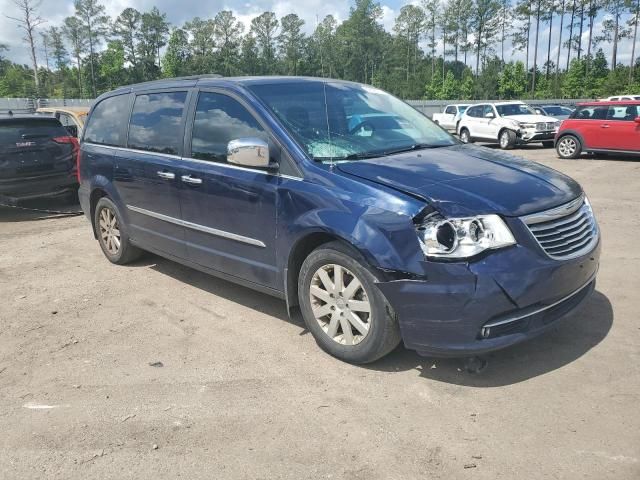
[76, 150]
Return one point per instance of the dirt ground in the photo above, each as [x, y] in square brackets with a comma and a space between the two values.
[242, 392]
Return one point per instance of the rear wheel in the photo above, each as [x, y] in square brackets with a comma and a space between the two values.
[507, 139]
[342, 308]
[465, 136]
[112, 234]
[568, 147]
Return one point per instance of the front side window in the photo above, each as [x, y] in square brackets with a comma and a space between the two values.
[622, 113]
[487, 111]
[475, 112]
[107, 124]
[340, 121]
[220, 119]
[510, 109]
[591, 113]
[155, 122]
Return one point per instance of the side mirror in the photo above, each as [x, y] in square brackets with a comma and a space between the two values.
[489, 115]
[249, 152]
[637, 119]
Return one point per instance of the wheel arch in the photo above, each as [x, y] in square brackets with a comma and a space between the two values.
[301, 249]
[574, 133]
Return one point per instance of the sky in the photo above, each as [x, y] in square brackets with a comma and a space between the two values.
[54, 11]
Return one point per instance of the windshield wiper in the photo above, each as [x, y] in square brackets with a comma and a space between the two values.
[415, 146]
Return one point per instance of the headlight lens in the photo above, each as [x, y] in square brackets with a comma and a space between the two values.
[462, 237]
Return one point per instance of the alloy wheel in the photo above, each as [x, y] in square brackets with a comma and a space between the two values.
[504, 139]
[110, 231]
[567, 147]
[340, 304]
[464, 136]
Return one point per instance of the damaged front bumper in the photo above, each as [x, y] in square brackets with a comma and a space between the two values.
[509, 296]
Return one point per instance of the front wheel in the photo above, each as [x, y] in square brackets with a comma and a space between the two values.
[342, 307]
[568, 147]
[507, 139]
[465, 136]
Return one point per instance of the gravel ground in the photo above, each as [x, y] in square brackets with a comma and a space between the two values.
[242, 392]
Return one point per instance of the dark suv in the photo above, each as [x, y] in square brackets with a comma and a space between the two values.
[37, 158]
[344, 200]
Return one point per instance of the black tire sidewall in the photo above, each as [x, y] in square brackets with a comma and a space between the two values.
[383, 335]
[511, 142]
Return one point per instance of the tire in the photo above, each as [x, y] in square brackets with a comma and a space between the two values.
[436, 122]
[548, 144]
[465, 135]
[507, 139]
[113, 237]
[568, 147]
[373, 334]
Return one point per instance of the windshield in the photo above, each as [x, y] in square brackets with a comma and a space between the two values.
[558, 110]
[514, 109]
[462, 108]
[337, 121]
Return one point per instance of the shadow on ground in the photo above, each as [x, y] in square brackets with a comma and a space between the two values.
[572, 338]
[40, 209]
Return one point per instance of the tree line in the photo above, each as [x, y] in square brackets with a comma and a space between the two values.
[439, 49]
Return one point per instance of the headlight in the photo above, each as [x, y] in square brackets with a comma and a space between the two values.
[462, 237]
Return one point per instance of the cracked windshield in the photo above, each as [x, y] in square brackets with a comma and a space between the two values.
[334, 122]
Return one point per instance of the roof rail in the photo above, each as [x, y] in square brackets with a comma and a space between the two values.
[188, 77]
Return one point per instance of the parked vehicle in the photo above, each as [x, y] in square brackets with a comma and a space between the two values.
[71, 118]
[37, 158]
[559, 112]
[621, 98]
[508, 124]
[378, 231]
[450, 116]
[600, 127]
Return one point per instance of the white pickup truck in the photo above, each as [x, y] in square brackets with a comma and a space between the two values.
[450, 116]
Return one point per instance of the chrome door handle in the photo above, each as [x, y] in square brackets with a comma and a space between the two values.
[167, 175]
[191, 180]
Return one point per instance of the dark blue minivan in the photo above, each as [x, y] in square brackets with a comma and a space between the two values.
[344, 201]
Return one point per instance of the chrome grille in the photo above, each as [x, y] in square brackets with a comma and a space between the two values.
[567, 231]
[543, 127]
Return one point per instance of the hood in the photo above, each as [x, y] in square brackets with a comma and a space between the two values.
[531, 118]
[467, 180]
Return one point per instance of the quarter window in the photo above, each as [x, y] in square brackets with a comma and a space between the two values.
[107, 124]
[155, 122]
[218, 120]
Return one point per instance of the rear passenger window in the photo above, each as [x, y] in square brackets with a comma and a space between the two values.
[623, 113]
[220, 119]
[155, 122]
[107, 124]
[450, 111]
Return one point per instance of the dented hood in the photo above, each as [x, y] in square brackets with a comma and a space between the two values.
[467, 180]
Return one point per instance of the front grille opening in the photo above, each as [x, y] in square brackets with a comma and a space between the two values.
[566, 236]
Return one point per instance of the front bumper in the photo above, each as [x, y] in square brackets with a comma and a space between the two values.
[14, 191]
[507, 297]
[524, 136]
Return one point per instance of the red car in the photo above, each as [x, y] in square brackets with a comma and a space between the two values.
[600, 127]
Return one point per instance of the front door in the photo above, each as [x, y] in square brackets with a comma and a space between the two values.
[229, 212]
[146, 172]
[594, 126]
